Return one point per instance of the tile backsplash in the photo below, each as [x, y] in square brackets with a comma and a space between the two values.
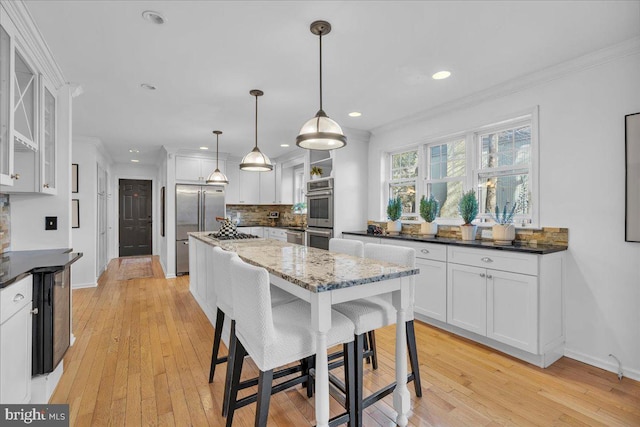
[544, 235]
[258, 215]
[5, 223]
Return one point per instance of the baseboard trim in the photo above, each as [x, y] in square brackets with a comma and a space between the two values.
[607, 365]
[84, 285]
[170, 276]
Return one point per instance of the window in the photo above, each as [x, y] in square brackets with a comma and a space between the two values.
[404, 179]
[504, 174]
[498, 160]
[446, 174]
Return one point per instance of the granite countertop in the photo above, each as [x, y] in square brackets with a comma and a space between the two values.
[517, 246]
[18, 264]
[285, 227]
[313, 269]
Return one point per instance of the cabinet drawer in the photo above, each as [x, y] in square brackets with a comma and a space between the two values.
[14, 297]
[496, 260]
[430, 251]
[277, 233]
[363, 239]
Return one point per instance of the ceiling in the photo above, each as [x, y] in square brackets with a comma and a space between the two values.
[377, 60]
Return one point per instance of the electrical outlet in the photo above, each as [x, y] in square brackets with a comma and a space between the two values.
[486, 234]
[50, 222]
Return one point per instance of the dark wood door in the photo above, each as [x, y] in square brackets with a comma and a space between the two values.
[135, 217]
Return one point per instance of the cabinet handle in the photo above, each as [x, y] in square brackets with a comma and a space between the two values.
[46, 185]
[15, 176]
[486, 259]
[185, 243]
[489, 276]
[482, 275]
[424, 251]
[18, 297]
[34, 311]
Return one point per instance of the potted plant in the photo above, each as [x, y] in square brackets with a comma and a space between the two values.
[468, 208]
[316, 172]
[504, 232]
[429, 210]
[394, 212]
[299, 208]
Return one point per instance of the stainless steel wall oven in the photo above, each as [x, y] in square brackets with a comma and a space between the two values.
[320, 203]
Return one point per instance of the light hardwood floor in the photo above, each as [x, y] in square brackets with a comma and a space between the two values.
[143, 347]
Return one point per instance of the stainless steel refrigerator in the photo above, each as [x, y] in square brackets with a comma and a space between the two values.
[197, 207]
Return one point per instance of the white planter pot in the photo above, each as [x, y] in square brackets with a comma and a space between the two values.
[468, 232]
[314, 177]
[429, 229]
[394, 227]
[503, 234]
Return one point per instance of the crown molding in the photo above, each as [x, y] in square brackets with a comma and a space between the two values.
[357, 134]
[32, 38]
[596, 58]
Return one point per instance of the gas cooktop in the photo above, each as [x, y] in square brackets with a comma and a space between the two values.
[237, 236]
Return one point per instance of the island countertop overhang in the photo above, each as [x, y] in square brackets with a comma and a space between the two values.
[313, 269]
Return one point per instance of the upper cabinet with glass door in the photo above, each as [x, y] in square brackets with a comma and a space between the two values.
[24, 107]
[7, 32]
[48, 138]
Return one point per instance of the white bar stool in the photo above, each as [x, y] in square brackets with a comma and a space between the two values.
[276, 336]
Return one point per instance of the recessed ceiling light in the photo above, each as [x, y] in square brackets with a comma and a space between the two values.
[135, 160]
[133, 150]
[284, 145]
[154, 17]
[204, 148]
[148, 86]
[441, 75]
[355, 114]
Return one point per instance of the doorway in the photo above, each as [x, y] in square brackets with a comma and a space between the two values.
[135, 221]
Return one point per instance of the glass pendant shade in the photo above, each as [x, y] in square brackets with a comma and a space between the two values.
[217, 177]
[256, 161]
[321, 133]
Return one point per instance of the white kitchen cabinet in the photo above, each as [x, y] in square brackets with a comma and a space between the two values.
[48, 137]
[277, 234]
[249, 187]
[195, 169]
[15, 342]
[232, 190]
[512, 309]
[467, 298]
[268, 187]
[431, 283]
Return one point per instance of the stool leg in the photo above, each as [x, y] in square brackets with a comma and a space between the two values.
[372, 344]
[413, 356]
[226, 398]
[367, 347]
[238, 359]
[350, 381]
[216, 343]
[264, 395]
[308, 364]
[358, 367]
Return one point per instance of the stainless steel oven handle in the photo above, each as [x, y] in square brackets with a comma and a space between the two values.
[319, 193]
[321, 233]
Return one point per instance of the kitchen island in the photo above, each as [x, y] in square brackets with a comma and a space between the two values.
[323, 279]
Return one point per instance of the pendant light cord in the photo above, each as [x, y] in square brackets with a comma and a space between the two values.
[217, 152]
[320, 36]
[256, 121]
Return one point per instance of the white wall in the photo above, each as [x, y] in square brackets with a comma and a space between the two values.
[29, 210]
[582, 172]
[87, 153]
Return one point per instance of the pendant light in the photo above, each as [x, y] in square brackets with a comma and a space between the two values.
[216, 176]
[256, 161]
[321, 133]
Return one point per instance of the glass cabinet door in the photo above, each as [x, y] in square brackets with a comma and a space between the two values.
[24, 120]
[6, 140]
[48, 146]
